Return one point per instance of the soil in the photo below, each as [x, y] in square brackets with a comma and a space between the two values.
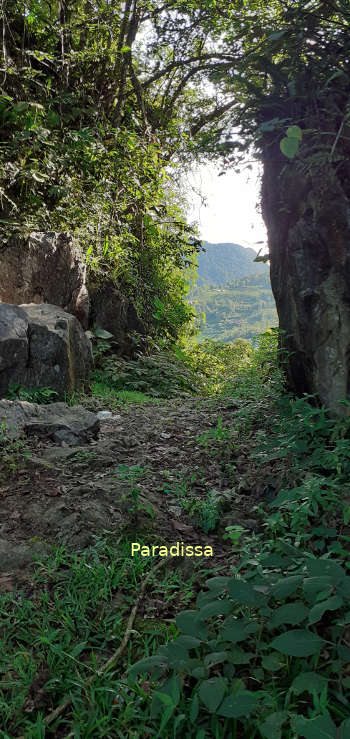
[145, 477]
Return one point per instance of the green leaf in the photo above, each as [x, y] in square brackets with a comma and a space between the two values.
[298, 643]
[218, 608]
[294, 132]
[313, 586]
[272, 662]
[234, 630]
[186, 642]
[147, 664]
[291, 613]
[308, 682]
[218, 584]
[215, 658]
[102, 334]
[289, 147]
[211, 692]
[331, 604]
[271, 728]
[286, 587]
[235, 706]
[344, 731]
[320, 727]
[190, 624]
[243, 593]
[326, 568]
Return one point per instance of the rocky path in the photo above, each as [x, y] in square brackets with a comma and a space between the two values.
[159, 473]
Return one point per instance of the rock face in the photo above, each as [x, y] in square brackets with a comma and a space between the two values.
[42, 346]
[112, 313]
[45, 268]
[57, 421]
[308, 221]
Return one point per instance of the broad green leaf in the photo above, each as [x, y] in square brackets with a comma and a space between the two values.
[308, 682]
[239, 657]
[102, 334]
[271, 728]
[291, 613]
[211, 692]
[313, 586]
[244, 593]
[190, 624]
[235, 706]
[234, 630]
[294, 132]
[286, 587]
[215, 658]
[186, 642]
[218, 584]
[326, 568]
[289, 147]
[147, 664]
[331, 604]
[218, 608]
[320, 727]
[298, 643]
[272, 662]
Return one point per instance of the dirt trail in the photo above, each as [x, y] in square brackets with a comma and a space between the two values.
[148, 476]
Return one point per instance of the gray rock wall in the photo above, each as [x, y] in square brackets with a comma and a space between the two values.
[45, 268]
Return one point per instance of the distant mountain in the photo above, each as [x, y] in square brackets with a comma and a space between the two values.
[222, 263]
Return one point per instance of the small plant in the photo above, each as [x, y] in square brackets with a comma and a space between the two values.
[133, 474]
[12, 453]
[40, 395]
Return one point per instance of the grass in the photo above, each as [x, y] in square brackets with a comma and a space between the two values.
[72, 623]
[104, 391]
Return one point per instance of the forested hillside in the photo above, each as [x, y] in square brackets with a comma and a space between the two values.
[243, 308]
[219, 264]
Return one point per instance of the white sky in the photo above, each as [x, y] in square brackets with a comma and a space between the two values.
[232, 212]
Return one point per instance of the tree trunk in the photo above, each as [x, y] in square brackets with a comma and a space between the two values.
[307, 212]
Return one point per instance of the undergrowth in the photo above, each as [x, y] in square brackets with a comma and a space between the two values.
[262, 651]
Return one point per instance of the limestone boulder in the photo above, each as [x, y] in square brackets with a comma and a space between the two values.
[56, 421]
[110, 311]
[42, 346]
[45, 268]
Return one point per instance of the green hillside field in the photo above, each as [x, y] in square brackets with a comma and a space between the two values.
[241, 309]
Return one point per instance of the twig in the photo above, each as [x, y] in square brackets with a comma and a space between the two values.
[112, 660]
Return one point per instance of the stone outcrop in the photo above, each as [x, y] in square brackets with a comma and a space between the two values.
[110, 311]
[57, 421]
[308, 221]
[45, 268]
[42, 346]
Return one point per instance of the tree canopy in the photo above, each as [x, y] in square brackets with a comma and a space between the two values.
[104, 103]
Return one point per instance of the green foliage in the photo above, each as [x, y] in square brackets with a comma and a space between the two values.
[60, 638]
[244, 639]
[161, 375]
[41, 395]
[76, 156]
[269, 654]
[214, 364]
[13, 454]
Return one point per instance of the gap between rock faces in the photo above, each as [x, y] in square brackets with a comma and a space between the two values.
[148, 477]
